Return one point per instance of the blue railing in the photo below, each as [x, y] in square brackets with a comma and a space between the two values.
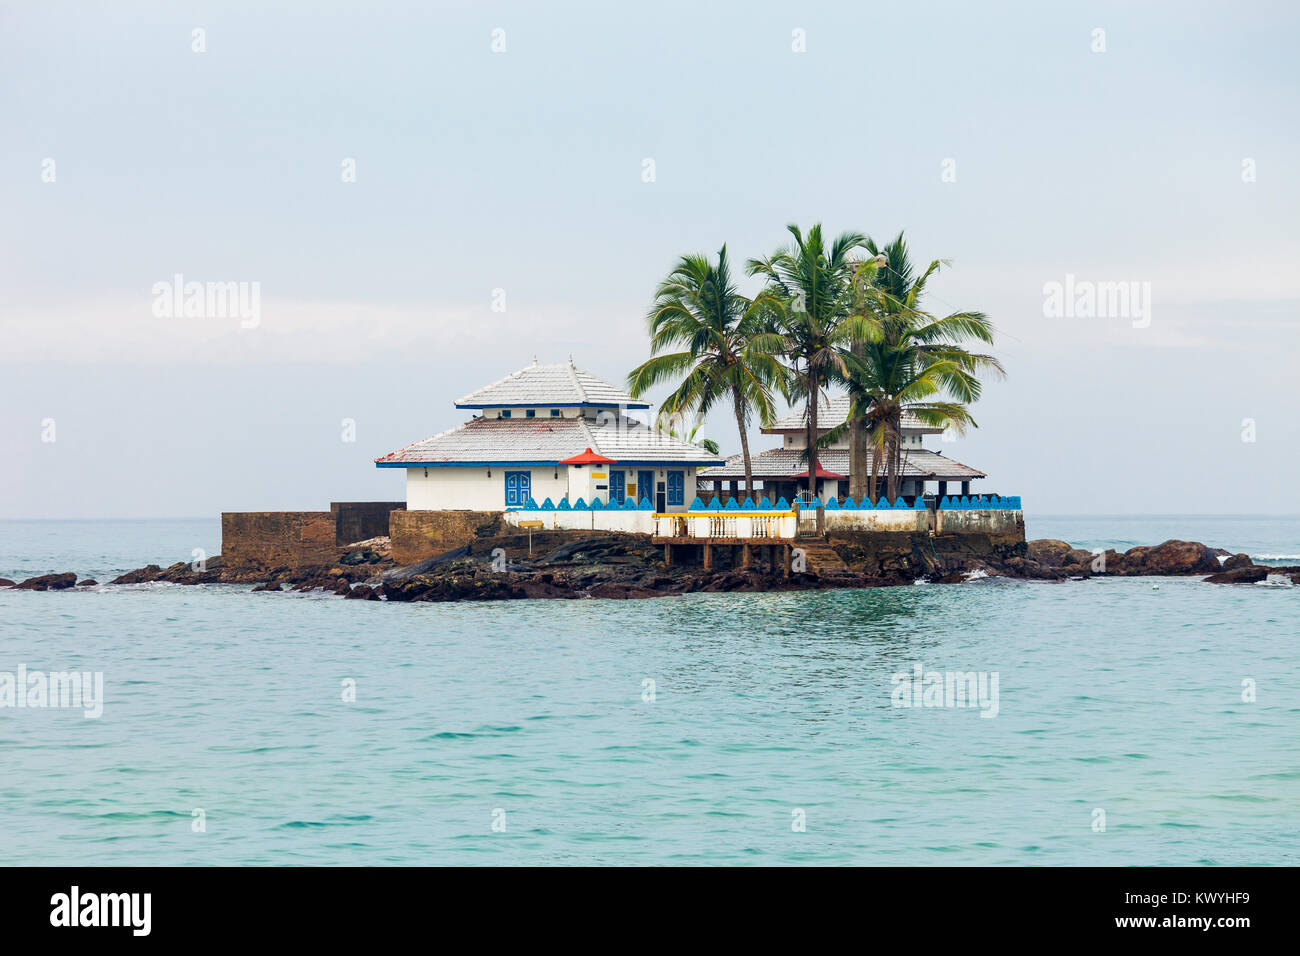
[834, 504]
[734, 505]
[979, 503]
[947, 503]
[629, 504]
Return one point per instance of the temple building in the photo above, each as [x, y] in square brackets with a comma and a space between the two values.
[783, 471]
[550, 433]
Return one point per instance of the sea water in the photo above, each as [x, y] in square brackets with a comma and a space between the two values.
[1134, 724]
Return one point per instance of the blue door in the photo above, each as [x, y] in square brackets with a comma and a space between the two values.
[519, 485]
[645, 486]
[616, 486]
[676, 488]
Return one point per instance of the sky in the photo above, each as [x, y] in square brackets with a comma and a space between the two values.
[387, 173]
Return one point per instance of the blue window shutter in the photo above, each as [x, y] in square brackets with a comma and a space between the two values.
[519, 488]
[676, 488]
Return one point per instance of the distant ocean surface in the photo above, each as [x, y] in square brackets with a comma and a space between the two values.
[696, 730]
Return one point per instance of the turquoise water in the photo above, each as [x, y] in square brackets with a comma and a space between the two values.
[1112, 696]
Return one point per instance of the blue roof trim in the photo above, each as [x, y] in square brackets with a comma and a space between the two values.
[703, 463]
[464, 464]
[700, 463]
[561, 405]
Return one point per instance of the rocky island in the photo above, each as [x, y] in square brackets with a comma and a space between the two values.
[621, 566]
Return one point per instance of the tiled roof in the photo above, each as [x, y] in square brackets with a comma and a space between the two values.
[780, 463]
[832, 411]
[546, 440]
[560, 384]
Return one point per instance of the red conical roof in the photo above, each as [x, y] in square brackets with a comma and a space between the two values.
[589, 457]
[821, 473]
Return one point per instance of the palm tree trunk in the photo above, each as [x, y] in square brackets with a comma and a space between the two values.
[898, 467]
[813, 386]
[891, 464]
[858, 444]
[876, 456]
[898, 455]
[895, 455]
[744, 440]
[812, 432]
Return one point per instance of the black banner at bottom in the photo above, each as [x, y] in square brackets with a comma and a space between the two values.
[335, 905]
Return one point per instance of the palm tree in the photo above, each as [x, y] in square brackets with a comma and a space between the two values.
[881, 403]
[698, 310]
[815, 325]
[916, 365]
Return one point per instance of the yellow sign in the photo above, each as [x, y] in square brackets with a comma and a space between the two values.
[598, 474]
[531, 524]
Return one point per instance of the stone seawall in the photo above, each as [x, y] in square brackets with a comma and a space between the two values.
[978, 521]
[869, 541]
[362, 520]
[266, 540]
[419, 535]
[902, 520]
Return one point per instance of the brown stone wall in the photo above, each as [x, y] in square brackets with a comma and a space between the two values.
[266, 540]
[418, 535]
[362, 520]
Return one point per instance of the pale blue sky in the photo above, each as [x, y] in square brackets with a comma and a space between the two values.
[522, 171]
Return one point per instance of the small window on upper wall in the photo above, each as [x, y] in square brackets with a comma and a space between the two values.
[531, 413]
[555, 413]
[505, 413]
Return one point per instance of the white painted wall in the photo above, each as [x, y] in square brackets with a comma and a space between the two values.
[584, 483]
[800, 440]
[460, 489]
[739, 524]
[539, 411]
[761, 525]
[631, 522]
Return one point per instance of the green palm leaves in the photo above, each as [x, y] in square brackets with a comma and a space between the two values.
[916, 364]
[844, 313]
[809, 297]
[710, 327]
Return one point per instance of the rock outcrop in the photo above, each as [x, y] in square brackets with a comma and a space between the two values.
[49, 582]
[1239, 575]
[577, 564]
[1172, 557]
[1050, 552]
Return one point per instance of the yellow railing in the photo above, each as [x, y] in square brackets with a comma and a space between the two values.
[746, 525]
